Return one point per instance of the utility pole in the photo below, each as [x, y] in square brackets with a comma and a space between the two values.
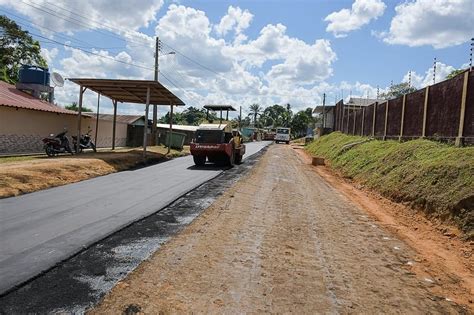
[240, 118]
[155, 108]
[324, 112]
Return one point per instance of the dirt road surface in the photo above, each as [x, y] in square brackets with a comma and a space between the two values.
[280, 241]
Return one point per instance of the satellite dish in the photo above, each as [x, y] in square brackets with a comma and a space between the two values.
[57, 79]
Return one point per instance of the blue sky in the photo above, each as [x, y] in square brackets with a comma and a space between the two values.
[258, 51]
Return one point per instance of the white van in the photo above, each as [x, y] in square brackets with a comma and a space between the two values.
[282, 135]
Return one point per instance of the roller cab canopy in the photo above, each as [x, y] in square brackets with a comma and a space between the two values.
[220, 108]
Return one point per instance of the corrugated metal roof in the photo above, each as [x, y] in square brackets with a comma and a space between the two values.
[126, 119]
[178, 127]
[10, 96]
[130, 91]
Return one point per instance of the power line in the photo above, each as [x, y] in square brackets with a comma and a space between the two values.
[93, 53]
[80, 22]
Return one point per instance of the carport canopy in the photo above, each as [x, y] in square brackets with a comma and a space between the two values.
[128, 91]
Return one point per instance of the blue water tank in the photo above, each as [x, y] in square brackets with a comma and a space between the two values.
[34, 75]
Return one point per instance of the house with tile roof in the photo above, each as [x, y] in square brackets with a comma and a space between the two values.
[25, 120]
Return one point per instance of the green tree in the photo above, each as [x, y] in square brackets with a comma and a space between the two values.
[454, 73]
[17, 47]
[274, 116]
[398, 90]
[75, 108]
[190, 116]
[300, 122]
[255, 110]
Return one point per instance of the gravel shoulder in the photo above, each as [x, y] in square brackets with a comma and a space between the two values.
[282, 240]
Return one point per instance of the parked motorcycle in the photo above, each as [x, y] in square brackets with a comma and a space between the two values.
[56, 144]
[84, 143]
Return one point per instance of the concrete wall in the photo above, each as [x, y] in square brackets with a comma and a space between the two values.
[21, 130]
[104, 137]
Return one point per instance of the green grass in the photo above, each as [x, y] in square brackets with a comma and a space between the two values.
[435, 177]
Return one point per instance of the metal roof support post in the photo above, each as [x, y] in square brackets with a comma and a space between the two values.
[114, 102]
[227, 115]
[79, 115]
[145, 128]
[171, 129]
[97, 119]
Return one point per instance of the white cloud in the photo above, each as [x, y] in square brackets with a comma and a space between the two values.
[439, 23]
[419, 80]
[347, 20]
[72, 16]
[295, 73]
[49, 54]
[234, 19]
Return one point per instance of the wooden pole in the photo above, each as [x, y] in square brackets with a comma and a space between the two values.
[342, 118]
[97, 119]
[362, 123]
[425, 111]
[386, 121]
[114, 102]
[348, 116]
[145, 129]
[171, 129]
[459, 138]
[402, 120]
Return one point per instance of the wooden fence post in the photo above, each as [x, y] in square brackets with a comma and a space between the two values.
[425, 112]
[362, 123]
[348, 116]
[459, 138]
[386, 121]
[373, 119]
[402, 120]
[354, 124]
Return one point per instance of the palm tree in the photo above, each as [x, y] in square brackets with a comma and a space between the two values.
[255, 109]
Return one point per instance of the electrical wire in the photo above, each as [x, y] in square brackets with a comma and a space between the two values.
[79, 22]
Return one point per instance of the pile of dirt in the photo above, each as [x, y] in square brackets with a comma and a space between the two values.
[27, 176]
[434, 177]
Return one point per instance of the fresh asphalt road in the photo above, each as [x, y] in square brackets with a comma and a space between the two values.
[40, 229]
